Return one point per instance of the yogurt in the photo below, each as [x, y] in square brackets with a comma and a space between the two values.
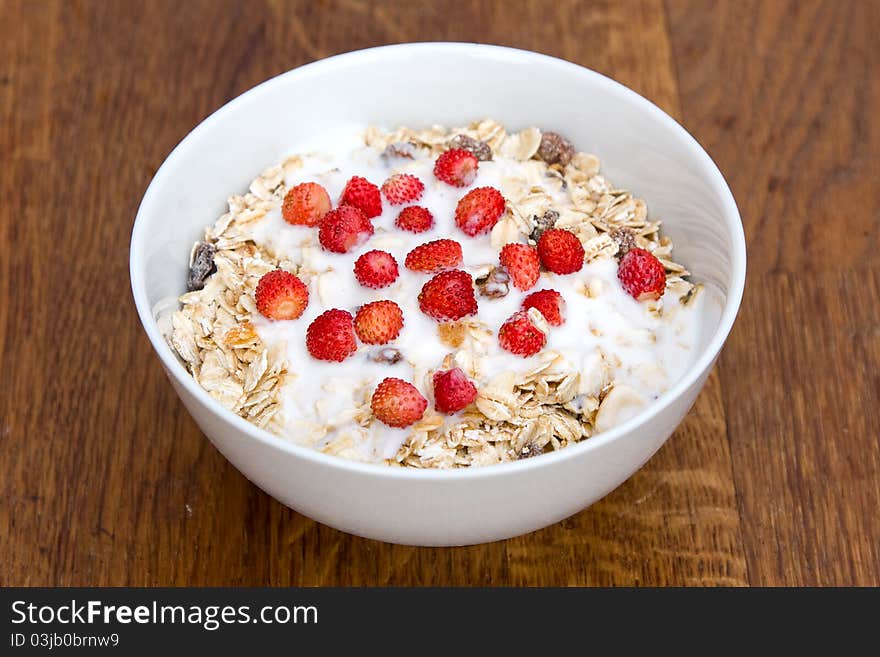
[322, 402]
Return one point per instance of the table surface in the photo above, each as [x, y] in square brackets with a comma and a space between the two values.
[774, 477]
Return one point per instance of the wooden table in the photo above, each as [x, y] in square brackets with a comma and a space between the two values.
[773, 479]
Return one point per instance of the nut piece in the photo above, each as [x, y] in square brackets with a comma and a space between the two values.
[625, 238]
[555, 149]
[401, 150]
[201, 266]
[495, 284]
[480, 149]
[388, 355]
[542, 223]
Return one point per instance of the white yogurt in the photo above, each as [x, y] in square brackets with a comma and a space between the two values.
[649, 353]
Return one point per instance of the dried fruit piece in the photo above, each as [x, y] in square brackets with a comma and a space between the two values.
[201, 266]
[415, 219]
[448, 296]
[402, 188]
[479, 210]
[549, 303]
[378, 322]
[281, 295]
[495, 284]
[397, 403]
[520, 336]
[400, 149]
[642, 275]
[625, 238]
[363, 195]
[522, 263]
[388, 355]
[456, 167]
[561, 251]
[453, 391]
[543, 223]
[376, 269]
[481, 150]
[331, 336]
[344, 228]
[306, 204]
[434, 256]
[555, 149]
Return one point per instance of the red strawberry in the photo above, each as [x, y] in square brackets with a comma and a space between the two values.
[642, 275]
[434, 256]
[549, 303]
[362, 194]
[305, 204]
[479, 210]
[375, 269]
[521, 261]
[453, 391]
[397, 403]
[456, 167]
[519, 336]
[448, 296]
[281, 295]
[560, 251]
[378, 322]
[331, 336]
[344, 228]
[402, 188]
[415, 219]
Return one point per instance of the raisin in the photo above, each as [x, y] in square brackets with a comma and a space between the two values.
[555, 149]
[542, 223]
[625, 238]
[401, 150]
[480, 149]
[495, 284]
[388, 355]
[201, 266]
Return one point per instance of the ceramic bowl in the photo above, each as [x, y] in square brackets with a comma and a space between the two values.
[641, 148]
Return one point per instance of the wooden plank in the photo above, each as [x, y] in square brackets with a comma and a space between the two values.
[790, 124]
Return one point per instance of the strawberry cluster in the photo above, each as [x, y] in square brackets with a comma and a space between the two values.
[448, 294]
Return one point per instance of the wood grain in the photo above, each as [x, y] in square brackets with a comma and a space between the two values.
[774, 477]
[791, 124]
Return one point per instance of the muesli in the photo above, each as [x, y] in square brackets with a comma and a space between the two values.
[436, 298]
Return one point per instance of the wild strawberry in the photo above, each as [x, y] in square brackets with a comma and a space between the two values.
[453, 391]
[456, 167]
[415, 219]
[281, 295]
[560, 251]
[642, 275]
[434, 256]
[344, 228]
[363, 195]
[549, 303]
[305, 204]
[378, 322]
[479, 210]
[397, 403]
[402, 188]
[376, 269]
[448, 296]
[520, 336]
[521, 261]
[331, 336]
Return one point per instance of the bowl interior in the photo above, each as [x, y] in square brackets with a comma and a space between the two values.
[639, 146]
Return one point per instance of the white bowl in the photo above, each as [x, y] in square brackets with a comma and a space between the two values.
[641, 148]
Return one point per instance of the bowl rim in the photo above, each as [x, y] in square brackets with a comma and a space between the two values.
[615, 89]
